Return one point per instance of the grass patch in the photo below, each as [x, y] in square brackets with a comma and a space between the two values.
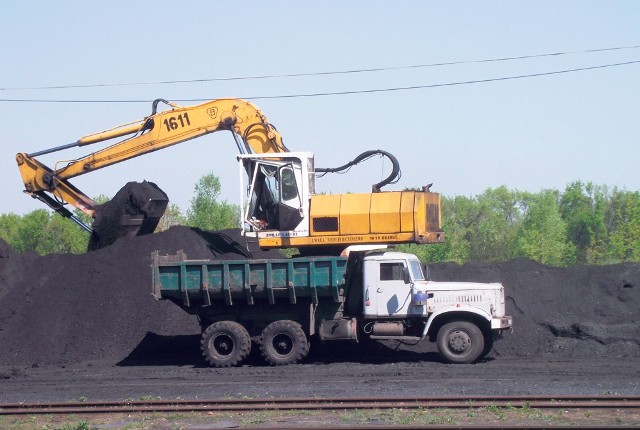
[492, 414]
[149, 398]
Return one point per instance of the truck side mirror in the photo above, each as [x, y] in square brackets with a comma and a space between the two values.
[406, 275]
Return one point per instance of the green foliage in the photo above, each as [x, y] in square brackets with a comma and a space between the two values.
[496, 235]
[582, 207]
[585, 224]
[43, 232]
[9, 227]
[462, 215]
[623, 222]
[206, 211]
[82, 425]
[172, 216]
[542, 236]
[483, 228]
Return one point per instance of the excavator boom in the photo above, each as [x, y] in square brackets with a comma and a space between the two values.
[250, 127]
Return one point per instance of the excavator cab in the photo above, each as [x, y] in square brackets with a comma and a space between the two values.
[276, 191]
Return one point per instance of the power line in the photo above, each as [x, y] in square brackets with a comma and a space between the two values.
[323, 73]
[338, 93]
[449, 84]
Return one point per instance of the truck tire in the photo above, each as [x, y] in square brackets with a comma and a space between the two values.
[460, 342]
[225, 344]
[283, 342]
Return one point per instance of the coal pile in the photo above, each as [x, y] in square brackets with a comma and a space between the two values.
[97, 307]
[575, 312]
[66, 308]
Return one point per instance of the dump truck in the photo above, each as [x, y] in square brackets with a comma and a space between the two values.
[280, 305]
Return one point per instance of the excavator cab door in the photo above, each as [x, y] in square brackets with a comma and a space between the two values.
[274, 197]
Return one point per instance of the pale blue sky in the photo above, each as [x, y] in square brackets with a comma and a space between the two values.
[527, 134]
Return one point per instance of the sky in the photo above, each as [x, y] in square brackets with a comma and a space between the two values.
[465, 127]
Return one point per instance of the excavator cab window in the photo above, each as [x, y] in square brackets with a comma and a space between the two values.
[290, 211]
[271, 183]
[289, 187]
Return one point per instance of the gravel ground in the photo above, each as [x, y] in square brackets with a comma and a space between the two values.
[347, 378]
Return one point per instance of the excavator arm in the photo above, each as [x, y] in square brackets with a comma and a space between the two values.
[250, 127]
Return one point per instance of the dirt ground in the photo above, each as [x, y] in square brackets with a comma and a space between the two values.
[86, 326]
[372, 372]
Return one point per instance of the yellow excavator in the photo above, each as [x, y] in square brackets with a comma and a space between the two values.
[280, 207]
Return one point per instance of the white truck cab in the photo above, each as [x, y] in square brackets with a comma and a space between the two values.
[399, 303]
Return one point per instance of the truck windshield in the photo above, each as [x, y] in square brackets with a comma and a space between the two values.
[416, 270]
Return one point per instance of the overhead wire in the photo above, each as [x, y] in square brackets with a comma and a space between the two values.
[446, 84]
[325, 73]
[350, 92]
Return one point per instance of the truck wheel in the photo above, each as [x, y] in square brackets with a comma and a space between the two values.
[225, 344]
[460, 342]
[283, 342]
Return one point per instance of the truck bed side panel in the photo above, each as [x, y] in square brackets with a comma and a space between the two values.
[203, 282]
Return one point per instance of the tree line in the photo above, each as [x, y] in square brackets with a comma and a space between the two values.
[583, 224]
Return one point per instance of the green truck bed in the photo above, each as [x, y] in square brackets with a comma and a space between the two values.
[245, 282]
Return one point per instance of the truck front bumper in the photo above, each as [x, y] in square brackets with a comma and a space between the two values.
[501, 323]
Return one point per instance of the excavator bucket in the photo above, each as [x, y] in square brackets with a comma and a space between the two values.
[135, 210]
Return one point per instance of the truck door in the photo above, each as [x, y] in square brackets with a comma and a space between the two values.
[386, 291]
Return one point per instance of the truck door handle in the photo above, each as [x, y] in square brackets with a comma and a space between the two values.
[379, 290]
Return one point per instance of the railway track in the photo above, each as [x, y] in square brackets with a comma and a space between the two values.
[448, 402]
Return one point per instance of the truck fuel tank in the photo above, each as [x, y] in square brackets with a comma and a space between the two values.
[339, 329]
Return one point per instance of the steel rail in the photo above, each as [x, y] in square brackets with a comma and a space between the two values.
[449, 402]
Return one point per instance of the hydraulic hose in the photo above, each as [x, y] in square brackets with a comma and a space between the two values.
[393, 177]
